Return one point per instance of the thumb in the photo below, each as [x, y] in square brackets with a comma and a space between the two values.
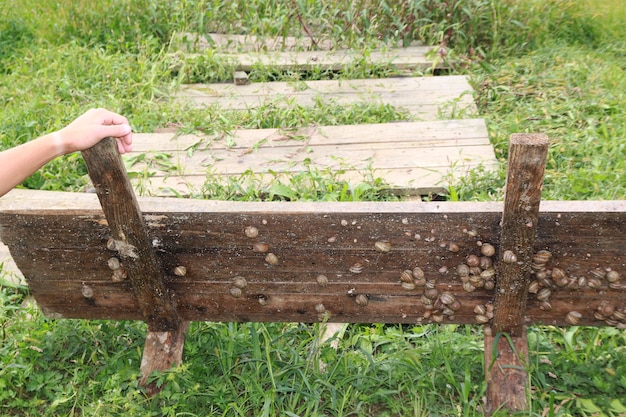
[116, 131]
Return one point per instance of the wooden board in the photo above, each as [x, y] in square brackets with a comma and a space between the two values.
[424, 98]
[247, 52]
[59, 242]
[193, 42]
[412, 157]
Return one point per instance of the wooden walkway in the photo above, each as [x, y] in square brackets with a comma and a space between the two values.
[424, 98]
[247, 52]
[412, 157]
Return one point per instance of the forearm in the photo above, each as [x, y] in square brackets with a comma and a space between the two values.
[17, 164]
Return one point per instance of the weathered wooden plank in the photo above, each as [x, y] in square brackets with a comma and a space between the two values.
[506, 373]
[129, 236]
[415, 157]
[401, 59]
[193, 42]
[425, 98]
[60, 238]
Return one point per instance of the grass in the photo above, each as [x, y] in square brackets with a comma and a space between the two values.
[555, 66]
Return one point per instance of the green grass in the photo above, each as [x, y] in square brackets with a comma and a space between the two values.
[553, 66]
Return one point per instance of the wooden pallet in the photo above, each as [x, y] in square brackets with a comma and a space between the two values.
[424, 98]
[416, 158]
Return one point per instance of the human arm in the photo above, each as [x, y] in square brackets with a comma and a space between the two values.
[18, 163]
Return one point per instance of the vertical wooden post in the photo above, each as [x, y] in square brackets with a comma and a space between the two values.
[165, 339]
[506, 347]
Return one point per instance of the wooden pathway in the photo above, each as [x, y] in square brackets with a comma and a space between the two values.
[424, 98]
[412, 157]
[247, 52]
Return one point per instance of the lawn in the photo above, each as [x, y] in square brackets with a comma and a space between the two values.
[553, 66]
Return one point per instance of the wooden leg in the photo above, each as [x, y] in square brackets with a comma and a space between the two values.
[161, 351]
[507, 377]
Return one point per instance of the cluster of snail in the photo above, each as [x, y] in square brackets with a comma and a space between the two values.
[261, 247]
[239, 283]
[478, 271]
[119, 273]
[545, 280]
[437, 305]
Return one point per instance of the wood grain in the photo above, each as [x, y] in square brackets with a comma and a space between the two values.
[412, 157]
[60, 246]
[129, 233]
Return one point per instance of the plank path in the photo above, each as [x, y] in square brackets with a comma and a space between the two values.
[424, 98]
[411, 157]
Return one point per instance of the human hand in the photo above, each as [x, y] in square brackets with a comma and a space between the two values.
[93, 126]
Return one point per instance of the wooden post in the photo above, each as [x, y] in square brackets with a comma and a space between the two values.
[165, 339]
[506, 371]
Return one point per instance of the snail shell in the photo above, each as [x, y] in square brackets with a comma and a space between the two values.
[240, 282]
[488, 273]
[113, 264]
[180, 271]
[322, 280]
[544, 294]
[462, 270]
[509, 257]
[472, 260]
[485, 262]
[481, 319]
[431, 293]
[480, 309]
[487, 249]
[489, 285]
[453, 247]
[533, 287]
[271, 259]
[262, 299]
[469, 287]
[357, 268]
[86, 291]
[418, 273]
[111, 244]
[260, 247]
[573, 317]
[362, 300]
[408, 285]
[545, 306]
[437, 318]
[407, 276]
[320, 308]
[383, 246]
[236, 292]
[251, 232]
[606, 309]
[612, 276]
[447, 298]
[594, 282]
[542, 257]
[456, 305]
[119, 275]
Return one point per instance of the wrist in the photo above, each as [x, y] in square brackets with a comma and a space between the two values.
[58, 146]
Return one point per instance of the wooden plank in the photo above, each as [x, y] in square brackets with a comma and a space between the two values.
[128, 236]
[411, 58]
[59, 246]
[506, 372]
[193, 42]
[425, 98]
[412, 157]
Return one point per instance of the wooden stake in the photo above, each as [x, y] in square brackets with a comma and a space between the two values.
[129, 231]
[166, 333]
[506, 372]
